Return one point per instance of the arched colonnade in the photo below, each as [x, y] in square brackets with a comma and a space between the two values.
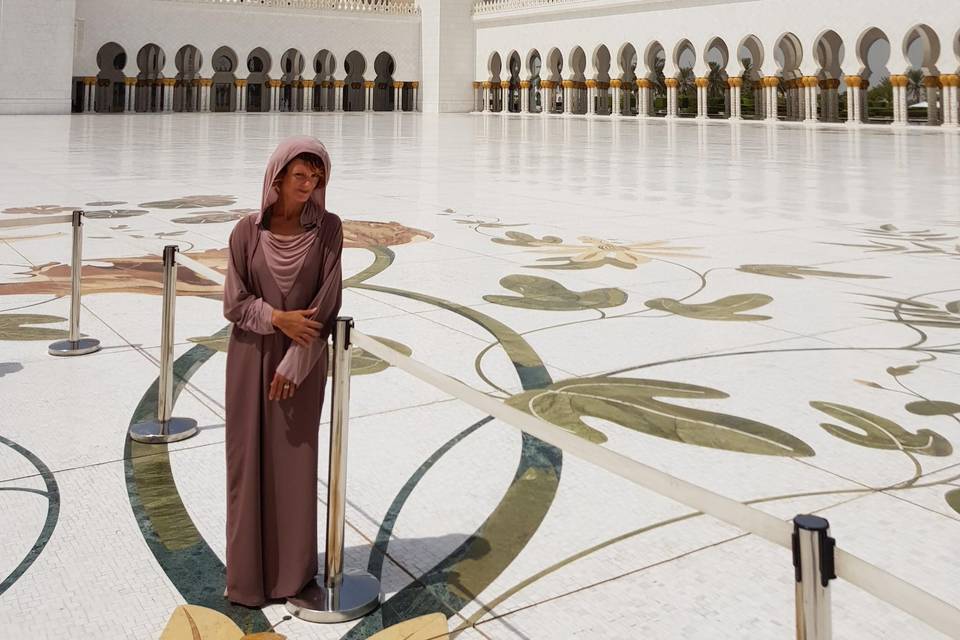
[288, 87]
[911, 77]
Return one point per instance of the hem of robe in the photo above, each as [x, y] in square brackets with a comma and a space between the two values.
[258, 602]
[267, 599]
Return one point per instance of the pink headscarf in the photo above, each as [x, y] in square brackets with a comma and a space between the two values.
[287, 150]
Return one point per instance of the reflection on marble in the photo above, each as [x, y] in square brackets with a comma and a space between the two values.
[771, 313]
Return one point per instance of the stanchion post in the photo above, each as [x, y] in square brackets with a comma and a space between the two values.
[75, 345]
[166, 428]
[340, 594]
[813, 564]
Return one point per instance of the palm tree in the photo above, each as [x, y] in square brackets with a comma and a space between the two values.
[747, 69]
[915, 88]
[685, 83]
[659, 80]
[717, 85]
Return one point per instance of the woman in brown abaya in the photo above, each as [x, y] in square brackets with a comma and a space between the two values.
[282, 295]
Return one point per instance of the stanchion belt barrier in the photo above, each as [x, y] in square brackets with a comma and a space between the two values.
[907, 597]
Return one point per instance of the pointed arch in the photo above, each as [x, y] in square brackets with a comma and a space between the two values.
[224, 93]
[111, 81]
[149, 94]
[354, 89]
[259, 64]
[384, 96]
[186, 90]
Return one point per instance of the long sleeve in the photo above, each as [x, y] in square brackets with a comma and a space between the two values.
[240, 306]
[299, 361]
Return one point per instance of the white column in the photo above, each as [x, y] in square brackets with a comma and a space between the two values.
[896, 105]
[897, 114]
[615, 109]
[416, 97]
[701, 101]
[852, 104]
[945, 96]
[566, 101]
[398, 98]
[953, 103]
[338, 98]
[809, 99]
[592, 100]
[242, 98]
[933, 110]
[672, 92]
[486, 99]
[951, 107]
[524, 99]
[773, 106]
[128, 95]
[644, 99]
[367, 98]
[903, 104]
[735, 107]
[308, 98]
[899, 99]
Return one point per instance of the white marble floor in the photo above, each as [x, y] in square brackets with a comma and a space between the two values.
[769, 312]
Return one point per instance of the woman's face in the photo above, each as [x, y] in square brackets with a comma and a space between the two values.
[299, 181]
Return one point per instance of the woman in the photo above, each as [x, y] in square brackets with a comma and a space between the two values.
[282, 295]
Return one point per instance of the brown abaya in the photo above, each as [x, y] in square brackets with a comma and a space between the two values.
[271, 445]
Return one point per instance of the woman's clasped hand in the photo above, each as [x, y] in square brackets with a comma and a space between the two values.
[297, 325]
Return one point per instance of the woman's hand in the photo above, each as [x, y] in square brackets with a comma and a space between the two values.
[297, 325]
[281, 388]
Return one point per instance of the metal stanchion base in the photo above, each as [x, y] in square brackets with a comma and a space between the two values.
[155, 432]
[81, 347]
[357, 595]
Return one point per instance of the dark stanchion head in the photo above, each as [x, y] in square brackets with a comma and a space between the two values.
[78, 218]
[170, 255]
[344, 324]
[811, 523]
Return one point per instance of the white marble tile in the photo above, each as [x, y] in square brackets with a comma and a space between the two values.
[718, 197]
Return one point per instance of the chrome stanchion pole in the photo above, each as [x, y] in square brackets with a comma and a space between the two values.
[74, 345]
[166, 428]
[813, 570]
[339, 595]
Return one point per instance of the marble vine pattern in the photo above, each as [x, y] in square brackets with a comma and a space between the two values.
[644, 405]
[51, 492]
